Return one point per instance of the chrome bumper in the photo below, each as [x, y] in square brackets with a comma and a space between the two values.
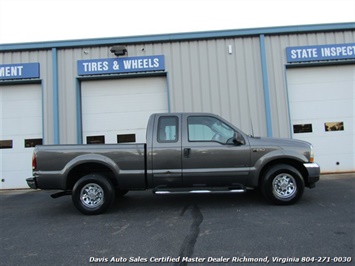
[313, 170]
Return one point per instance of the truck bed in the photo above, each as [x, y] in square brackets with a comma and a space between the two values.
[126, 160]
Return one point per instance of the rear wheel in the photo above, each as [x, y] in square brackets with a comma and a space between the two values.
[282, 184]
[93, 194]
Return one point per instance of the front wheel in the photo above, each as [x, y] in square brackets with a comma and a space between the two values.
[282, 184]
[93, 194]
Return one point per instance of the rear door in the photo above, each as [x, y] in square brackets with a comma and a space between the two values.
[166, 151]
[209, 156]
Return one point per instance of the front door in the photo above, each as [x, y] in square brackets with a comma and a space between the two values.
[209, 155]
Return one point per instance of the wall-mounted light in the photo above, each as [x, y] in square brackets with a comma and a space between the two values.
[118, 50]
[230, 49]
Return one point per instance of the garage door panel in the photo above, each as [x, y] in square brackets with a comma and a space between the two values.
[118, 121]
[101, 88]
[335, 162]
[332, 147]
[326, 109]
[22, 126]
[311, 75]
[320, 92]
[122, 103]
[30, 104]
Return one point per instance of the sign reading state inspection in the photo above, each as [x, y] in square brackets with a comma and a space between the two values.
[320, 52]
[121, 65]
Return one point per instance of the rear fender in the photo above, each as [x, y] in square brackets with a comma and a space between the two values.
[87, 159]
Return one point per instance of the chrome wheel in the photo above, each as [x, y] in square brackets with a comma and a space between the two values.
[284, 186]
[92, 195]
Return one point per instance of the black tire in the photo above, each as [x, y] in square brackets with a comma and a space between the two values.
[93, 194]
[282, 184]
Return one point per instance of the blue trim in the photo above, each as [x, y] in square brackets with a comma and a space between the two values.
[180, 36]
[44, 140]
[55, 97]
[266, 86]
[79, 125]
[288, 103]
[168, 91]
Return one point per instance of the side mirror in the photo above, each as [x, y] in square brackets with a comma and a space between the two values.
[238, 139]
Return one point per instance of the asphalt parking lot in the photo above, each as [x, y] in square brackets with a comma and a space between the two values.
[219, 229]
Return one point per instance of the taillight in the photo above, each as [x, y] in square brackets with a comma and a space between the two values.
[34, 162]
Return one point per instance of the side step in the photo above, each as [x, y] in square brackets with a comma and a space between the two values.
[61, 194]
[163, 191]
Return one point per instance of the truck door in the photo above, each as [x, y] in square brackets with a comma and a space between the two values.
[210, 157]
[166, 152]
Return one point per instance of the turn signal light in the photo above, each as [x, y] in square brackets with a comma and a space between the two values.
[311, 157]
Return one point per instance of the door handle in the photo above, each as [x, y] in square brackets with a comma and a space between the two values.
[187, 152]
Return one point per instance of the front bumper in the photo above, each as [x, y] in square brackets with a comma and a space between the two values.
[31, 182]
[313, 170]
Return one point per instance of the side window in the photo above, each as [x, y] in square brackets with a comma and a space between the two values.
[168, 129]
[199, 132]
[206, 128]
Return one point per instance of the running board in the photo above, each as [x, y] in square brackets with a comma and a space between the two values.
[162, 191]
[61, 194]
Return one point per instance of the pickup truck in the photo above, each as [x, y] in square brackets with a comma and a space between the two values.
[183, 153]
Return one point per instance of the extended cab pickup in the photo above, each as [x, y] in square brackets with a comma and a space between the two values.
[184, 153]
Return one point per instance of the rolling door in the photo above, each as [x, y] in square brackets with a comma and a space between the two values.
[322, 107]
[20, 131]
[117, 110]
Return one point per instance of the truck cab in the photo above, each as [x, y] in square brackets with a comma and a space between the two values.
[197, 150]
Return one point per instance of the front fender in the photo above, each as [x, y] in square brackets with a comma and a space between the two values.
[269, 158]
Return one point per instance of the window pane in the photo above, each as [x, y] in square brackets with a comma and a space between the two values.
[5, 144]
[95, 139]
[30, 143]
[126, 138]
[302, 128]
[334, 126]
[168, 129]
[200, 133]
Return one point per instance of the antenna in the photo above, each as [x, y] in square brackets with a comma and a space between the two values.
[251, 125]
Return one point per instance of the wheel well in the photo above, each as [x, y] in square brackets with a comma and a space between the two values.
[296, 164]
[88, 168]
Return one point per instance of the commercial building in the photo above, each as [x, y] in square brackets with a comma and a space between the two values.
[292, 82]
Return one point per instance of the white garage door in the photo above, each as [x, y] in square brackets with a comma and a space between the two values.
[20, 131]
[117, 110]
[322, 109]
